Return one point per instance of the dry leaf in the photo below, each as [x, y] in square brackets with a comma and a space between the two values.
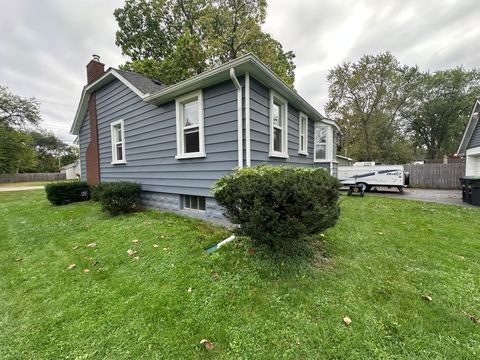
[251, 251]
[92, 245]
[347, 321]
[135, 241]
[155, 245]
[18, 259]
[164, 249]
[475, 319]
[136, 258]
[208, 344]
[86, 270]
[380, 233]
[95, 263]
[75, 247]
[427, 298]
[71, 266]
[189, 289]
[131, 252]
[215, 275]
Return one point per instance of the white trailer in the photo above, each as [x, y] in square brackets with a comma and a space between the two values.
[374, 176]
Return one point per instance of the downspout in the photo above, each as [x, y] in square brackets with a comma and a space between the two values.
[239, 116]
[248, 159]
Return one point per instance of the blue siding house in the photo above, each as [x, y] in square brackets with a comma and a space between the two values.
[470, 144]
[178, 140]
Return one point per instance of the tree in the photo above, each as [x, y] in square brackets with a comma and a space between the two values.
[16, 111]
[70, 155]
[367, 98]
[48, 149]
[440, 115]
[16, 151]
[172, 40]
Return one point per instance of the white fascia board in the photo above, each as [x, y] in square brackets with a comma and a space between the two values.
[246, 64]
[109, 76]
[472, 123]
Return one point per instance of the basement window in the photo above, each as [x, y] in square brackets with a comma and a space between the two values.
[190, 136]
[191, 202]
[118, 142]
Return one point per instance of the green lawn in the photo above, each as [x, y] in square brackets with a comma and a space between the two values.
[31, 183]
[383, 256]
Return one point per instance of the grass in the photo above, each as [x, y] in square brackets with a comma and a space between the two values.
[381, 258]
[31, 183]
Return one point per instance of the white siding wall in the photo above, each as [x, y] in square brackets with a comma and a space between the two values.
[472, 162]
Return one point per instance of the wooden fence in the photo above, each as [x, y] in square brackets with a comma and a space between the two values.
[31, 177]
[436, 176]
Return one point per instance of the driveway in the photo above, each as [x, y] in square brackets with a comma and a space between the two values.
[451, 197]
[18, 188]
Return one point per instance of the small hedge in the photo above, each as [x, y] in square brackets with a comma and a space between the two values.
[66, 192]
[119, 197]
[278, 205]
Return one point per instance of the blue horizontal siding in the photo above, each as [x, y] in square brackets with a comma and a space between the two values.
[475, 139]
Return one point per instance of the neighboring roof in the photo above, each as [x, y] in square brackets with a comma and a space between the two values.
[155, 93]
[472, 123]
[344, 157]
[68, 166]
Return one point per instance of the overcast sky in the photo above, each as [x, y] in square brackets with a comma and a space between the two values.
[45, 44]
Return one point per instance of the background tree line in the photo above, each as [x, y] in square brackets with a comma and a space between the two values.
[392, 113]
[24, 146]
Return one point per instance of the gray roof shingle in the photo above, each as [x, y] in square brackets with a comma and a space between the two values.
[142, 83]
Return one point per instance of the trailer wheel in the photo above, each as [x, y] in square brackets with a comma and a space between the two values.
[400, 188]
[366, 186]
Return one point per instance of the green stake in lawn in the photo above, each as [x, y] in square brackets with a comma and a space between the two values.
[215, 247]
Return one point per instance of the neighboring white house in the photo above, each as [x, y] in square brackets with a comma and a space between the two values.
[72, 171]
[470, 144]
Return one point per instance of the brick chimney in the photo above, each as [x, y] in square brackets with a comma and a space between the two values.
[95, 69]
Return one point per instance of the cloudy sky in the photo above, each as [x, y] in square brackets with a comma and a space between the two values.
[45, 44]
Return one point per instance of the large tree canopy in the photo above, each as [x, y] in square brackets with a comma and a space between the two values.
[440, 115]
[388, 111]
[367, 98]
[171, 40]
[16, 111]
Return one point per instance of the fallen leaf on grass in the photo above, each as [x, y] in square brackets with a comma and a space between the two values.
[165, 249]
[251, 251]
[135, 241]
[189, 290]
[92, 245]
[380, 233]
[347, 321]
[155, 245]
[18, 259]
[95, 263]
[71, 266]
[75, 247]
[475, 319]
[131, 252]
[427, 298]
[86, 270]
[208, 344]
[215, 275]
[136, 258]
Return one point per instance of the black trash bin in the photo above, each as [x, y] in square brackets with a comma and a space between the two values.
[475, 191]
[463, 183]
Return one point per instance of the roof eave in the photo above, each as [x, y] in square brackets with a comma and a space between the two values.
[467, 134]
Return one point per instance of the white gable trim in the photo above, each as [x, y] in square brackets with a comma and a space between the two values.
[109, 76]
[472, 123]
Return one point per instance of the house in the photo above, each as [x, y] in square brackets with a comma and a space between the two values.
[178, 140]
[71, 171]
[470, 144]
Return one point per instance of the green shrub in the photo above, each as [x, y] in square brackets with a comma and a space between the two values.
[66, 192]
[120, 197]
[278, 205]
[96, 190]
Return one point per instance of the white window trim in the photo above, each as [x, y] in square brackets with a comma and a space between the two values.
[114, 149]
[328, 144]
[305, 136]
[284, 108]
[179, 101]
[191, 209]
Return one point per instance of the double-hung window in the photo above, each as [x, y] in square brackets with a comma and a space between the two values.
[321, 136]
[118, 142]
[278, 126]
[190, 136]
[303, 134]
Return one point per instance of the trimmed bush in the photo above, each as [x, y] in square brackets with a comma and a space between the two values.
[278, 205]
[120, 197]
[96, 190]
[66, 192]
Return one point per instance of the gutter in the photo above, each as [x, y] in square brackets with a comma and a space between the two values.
[239, 116]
